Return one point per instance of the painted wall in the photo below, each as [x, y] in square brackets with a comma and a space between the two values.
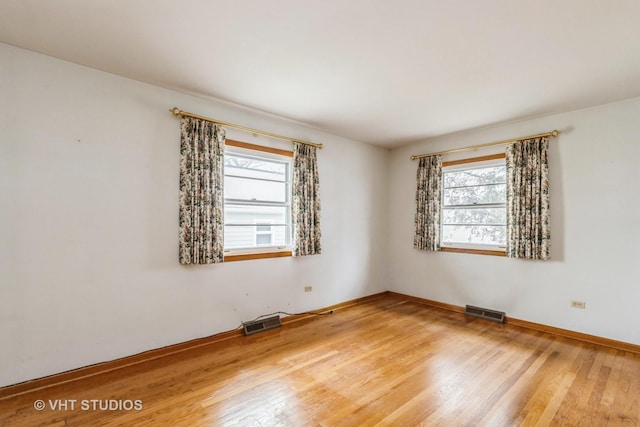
[595, 209]
[88, 224]
[89, 267]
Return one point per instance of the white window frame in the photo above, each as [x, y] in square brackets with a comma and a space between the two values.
[469, 164]
[266, 155]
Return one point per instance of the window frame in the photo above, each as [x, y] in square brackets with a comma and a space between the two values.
[469, 248]
[271, 251]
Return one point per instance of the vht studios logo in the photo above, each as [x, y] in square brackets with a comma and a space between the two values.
[88, 405]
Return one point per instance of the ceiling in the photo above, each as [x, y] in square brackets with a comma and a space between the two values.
[377, 71]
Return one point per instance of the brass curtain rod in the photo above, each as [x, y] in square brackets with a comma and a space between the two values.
[178, 112]
[553, 133]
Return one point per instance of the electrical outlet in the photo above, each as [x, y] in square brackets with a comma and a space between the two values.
[579, 304]
[308, 288]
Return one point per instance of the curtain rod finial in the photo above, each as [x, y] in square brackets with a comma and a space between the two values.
[555, 133]
[176, 111]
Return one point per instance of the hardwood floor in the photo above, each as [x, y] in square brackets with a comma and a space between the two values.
[386, 361]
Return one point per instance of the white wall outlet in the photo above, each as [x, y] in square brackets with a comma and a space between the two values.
[308, 288]
[579, 304]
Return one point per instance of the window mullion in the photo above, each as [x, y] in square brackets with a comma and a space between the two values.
[475, 185]
[476, 206]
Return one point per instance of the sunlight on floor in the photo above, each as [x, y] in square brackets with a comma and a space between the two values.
[269, 403]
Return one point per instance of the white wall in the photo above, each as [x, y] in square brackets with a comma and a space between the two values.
[595, 214]
[89, 266]
[88, 224]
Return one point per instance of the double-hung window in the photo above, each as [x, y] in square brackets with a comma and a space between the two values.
[257, 199]
[473, 211]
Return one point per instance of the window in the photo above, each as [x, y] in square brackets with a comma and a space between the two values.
[474, 193]
[264, 232]
[257, 199]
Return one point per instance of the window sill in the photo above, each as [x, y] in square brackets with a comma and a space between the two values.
[256, 255]
[475, 251]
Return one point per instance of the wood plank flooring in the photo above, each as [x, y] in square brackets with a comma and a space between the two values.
[387, 362]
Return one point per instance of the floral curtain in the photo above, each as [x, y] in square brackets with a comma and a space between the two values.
[528, 224]
[428, 197]
[201, 196]
[305, 201]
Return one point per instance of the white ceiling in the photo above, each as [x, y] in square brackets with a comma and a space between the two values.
[377, 71]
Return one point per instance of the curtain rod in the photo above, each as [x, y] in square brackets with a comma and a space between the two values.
[178, 112]
[553, 133]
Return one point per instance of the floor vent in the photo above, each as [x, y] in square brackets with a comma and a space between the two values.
[261, 325]
[485, 313]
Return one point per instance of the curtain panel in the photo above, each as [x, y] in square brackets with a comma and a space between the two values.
[528, 221]
[305, 201]
[201, 192]
[428, 198]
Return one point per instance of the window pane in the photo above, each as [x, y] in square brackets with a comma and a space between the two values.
[255, 215]
[475, 195]
[245, 236]
[263, 239]
[480, 176]
[485, 234]
[474, 188]
[252, 178]
[249, 167]
[474, 216]
[252, 189]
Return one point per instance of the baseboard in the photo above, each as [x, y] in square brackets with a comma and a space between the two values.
[312, 314]
[104, 367]
[428, 302]
[593, 339]
[147, 356]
